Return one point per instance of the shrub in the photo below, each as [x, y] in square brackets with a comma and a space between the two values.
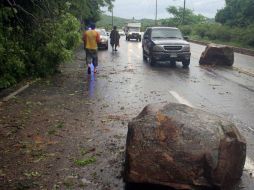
[201, 30]
[219, 32]
[247, 36]
[36, 51]
[58, 48]
[12, 67]
[186, 30]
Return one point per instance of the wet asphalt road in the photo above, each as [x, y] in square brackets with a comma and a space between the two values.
[125, 84]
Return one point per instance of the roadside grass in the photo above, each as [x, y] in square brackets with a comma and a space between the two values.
[230, 43]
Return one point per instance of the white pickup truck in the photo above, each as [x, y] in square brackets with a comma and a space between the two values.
[132, 31]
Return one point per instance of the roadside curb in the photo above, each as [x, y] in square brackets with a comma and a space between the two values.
[13, 94]
[236, 49]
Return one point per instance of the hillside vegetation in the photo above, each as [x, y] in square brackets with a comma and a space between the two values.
[106, 22]
[233, 24]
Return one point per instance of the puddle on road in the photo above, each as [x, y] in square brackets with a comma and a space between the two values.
[249, 165]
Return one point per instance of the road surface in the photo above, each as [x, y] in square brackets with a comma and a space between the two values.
[227, 92]
[57, 121]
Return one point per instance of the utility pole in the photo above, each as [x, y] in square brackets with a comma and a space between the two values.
[184, 5]
[112, 18]
[156, 12]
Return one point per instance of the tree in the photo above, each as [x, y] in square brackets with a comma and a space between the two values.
[37, 35]
[236, 13]
[177, 17]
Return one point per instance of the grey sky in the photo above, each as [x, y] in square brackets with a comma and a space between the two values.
[146, 8]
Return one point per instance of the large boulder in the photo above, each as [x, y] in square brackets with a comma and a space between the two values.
[182, 147]
[217, 55]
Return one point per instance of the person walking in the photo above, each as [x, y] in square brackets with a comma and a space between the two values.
[91, 39]
[114, 38]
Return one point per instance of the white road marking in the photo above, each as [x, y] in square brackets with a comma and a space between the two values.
[249, 164]
[180, 99]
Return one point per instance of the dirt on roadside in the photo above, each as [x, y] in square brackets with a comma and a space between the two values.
[54, 137]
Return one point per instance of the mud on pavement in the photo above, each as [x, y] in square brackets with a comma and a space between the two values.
[69, 131]
[54, 135]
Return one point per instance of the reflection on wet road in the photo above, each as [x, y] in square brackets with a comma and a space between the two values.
[126, 84]
[91, 85]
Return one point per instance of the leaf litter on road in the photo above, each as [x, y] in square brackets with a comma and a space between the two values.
[85, 162]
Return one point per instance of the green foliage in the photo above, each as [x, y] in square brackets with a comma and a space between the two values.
[213, 32]
[85, 162]
[201, 30]
[224, 33]
[181, 17]
[186, 30]
[36, 36]
[59, 41]
[12, 65]
[245, 35]
[236, 13]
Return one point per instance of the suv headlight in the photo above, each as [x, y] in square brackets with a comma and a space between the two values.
[186, 48]
[157, 48]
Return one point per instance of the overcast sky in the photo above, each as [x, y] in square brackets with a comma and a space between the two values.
[146, 8]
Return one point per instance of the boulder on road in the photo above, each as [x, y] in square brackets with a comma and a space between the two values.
[184, 148]
[217, 55]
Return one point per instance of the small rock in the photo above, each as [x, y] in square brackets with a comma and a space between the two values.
[85, 181]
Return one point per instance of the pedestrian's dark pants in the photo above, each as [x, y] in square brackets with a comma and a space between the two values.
[113, 45]
[92, 57]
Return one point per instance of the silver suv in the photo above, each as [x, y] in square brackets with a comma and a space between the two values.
[165, 44]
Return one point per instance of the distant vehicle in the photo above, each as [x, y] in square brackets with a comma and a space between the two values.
[132, 31]
[121, 33]
[165, 44]
[104, 38]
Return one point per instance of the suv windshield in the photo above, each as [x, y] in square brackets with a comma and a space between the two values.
[166, 33]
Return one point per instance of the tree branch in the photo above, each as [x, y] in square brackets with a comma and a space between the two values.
[22, 9]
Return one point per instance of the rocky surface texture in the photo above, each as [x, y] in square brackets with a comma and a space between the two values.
[217, 55]
[184, 148]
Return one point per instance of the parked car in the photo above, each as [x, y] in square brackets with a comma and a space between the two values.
[121, 33]
[104, 39]
[165, 44]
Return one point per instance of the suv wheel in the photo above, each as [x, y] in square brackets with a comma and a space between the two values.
[144, 56]
[186, 63]
[151, 60]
